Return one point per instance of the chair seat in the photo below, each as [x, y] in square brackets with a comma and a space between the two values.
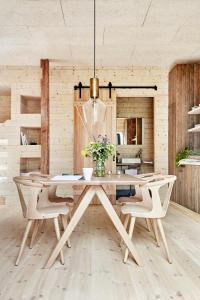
[68, 200]
[136, 210]
[53, 211]
[132, 199]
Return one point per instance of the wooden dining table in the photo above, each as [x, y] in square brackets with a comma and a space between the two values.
[95, 186]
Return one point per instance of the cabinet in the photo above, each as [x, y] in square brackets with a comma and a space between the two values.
[184, 92]
[81, 136]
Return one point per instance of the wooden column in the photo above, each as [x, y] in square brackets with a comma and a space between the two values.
[44, 64]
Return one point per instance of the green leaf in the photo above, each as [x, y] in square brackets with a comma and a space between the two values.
[183, 154]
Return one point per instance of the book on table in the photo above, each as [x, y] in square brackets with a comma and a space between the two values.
[66, 177]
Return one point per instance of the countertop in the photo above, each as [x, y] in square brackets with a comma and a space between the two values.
[190, 161]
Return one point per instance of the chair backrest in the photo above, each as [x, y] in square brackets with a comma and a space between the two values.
[147, 177]
[29, 206]
[39, 175]
[51, 189]
[158, 191]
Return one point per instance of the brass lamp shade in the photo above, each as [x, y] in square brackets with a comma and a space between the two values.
[94, 88]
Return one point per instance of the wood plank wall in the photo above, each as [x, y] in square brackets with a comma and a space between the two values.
[25, 80]
[184, 92]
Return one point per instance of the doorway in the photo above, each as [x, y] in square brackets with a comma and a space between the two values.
[134, 136]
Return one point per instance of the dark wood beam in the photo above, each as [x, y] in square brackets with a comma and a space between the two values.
[44, 64]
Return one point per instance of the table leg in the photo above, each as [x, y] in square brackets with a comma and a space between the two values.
[87, 198]
[117, 223]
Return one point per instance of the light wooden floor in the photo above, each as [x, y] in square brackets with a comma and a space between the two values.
[94, 269]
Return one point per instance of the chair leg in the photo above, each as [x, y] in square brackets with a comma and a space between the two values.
[60, 222]
[34, 233]
[130, 233]
[44, 222]
[28, 227]
[155, 230]
[64, 222]
[57, 230]
[127, 217]
[122, 217]
[148, 224]
[31, 229]
[70, 214]
[164, 240]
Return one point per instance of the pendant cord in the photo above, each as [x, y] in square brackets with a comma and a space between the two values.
[94, 38]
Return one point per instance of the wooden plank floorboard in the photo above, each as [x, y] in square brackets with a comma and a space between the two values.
[93, 267]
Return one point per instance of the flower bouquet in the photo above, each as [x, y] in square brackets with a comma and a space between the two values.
[99, 150]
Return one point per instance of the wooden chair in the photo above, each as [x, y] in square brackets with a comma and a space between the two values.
[52, 197]
[138, 195]
[156, 196]
[52, 190]
[33, 213]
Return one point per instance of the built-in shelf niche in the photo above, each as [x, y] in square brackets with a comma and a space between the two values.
[30, 164]
[194, 129]
[30, 105]
[32, 134]
[195, 111]
[5, 103]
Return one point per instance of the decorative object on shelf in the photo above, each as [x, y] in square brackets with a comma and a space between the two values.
[195, 110]
[194, 107]
[24, 140]
[183, 154]
[94, 109]
[118, 158]
[196, 128]
[99, 150]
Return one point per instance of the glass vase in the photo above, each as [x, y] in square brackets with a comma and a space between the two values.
[100, 168]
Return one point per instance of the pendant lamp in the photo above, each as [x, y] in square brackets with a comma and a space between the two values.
[94, 109]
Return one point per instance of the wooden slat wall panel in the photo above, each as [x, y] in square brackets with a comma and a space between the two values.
[184, 92]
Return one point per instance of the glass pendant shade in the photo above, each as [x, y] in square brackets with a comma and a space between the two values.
[94, 109]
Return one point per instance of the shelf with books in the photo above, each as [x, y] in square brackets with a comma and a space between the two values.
[30, 135]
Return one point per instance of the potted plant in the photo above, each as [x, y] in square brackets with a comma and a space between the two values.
[183, 154]
[99, 150]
